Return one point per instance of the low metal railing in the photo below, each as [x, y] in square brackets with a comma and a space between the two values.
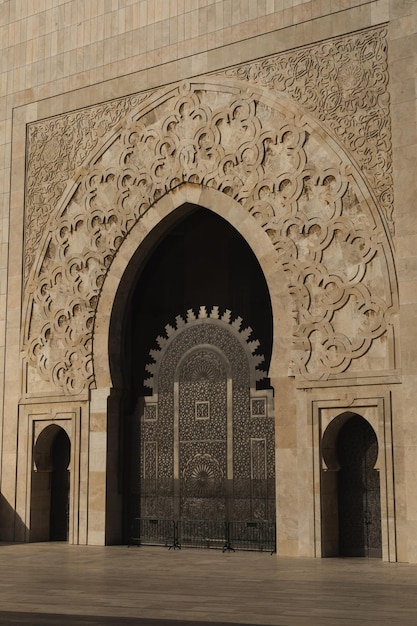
[253, 535]
[203, 534]
[151, 531]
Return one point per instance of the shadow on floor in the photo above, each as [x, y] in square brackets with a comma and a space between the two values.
[10, 618]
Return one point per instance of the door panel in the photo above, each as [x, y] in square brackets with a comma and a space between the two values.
[358, 490]
[59, 512]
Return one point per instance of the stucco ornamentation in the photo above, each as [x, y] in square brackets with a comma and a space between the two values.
[56, 148]
[266, 153]
[343, 83]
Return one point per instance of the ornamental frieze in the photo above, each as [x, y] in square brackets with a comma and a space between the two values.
[342, 82]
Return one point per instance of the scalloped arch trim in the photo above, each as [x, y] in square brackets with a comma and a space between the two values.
[297, 182]
[207, 316]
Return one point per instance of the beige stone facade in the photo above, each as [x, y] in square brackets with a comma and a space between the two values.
[293, 123]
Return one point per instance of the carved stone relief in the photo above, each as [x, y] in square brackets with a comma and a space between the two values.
[342, 82]
[261, 149]
[56, 148]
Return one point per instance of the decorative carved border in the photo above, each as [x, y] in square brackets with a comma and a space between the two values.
[343, 82]
[56, 148]
[256, 145]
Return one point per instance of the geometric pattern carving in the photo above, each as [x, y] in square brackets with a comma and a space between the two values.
[203, 368]
[265, 152]
[258, 407]
[258, 459]
[150, 469]
[202, 410]
[199, 471]
[343, 82]
[201, 442]
[150, 413]
[207, 445]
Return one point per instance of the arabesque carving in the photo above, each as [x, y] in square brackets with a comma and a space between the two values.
[206, 358]
[56, 148]
[342, 82]
[266, 154]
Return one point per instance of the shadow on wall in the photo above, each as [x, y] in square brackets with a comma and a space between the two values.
[12, 527]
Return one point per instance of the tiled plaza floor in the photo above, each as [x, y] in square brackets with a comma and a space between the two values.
[44, 584]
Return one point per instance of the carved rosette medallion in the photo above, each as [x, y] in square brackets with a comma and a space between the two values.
[259, 147]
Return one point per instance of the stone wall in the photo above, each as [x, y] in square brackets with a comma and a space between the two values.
[78, 79]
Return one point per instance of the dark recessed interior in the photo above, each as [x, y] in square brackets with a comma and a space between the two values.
[202, 260]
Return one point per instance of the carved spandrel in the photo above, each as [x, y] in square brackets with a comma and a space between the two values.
[56, 148]
[344, 83]
[303, 194]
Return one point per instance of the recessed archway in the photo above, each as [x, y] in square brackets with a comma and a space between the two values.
[200, 260]
[51, 486]
[196, 258]
[117, 290]
[116, 298]
[351, 500]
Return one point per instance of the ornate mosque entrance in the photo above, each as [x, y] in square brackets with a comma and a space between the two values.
[124, 269]
[200, 435]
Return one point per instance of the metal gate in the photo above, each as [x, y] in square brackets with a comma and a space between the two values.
[223, 535]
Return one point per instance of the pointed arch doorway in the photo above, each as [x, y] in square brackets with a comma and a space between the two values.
[199, 259]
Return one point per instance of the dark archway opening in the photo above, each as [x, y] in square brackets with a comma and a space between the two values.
[50, 489]
[200, 260]
[60, 487]
[359, 505]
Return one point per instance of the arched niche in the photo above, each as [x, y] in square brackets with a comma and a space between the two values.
[50, 485]
[125, 280]
[351, 488]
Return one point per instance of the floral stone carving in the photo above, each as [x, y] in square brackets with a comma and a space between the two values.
[262, 150]
[342, 82]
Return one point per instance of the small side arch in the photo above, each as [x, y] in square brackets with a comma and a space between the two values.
[49, 512]
[351, 497]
